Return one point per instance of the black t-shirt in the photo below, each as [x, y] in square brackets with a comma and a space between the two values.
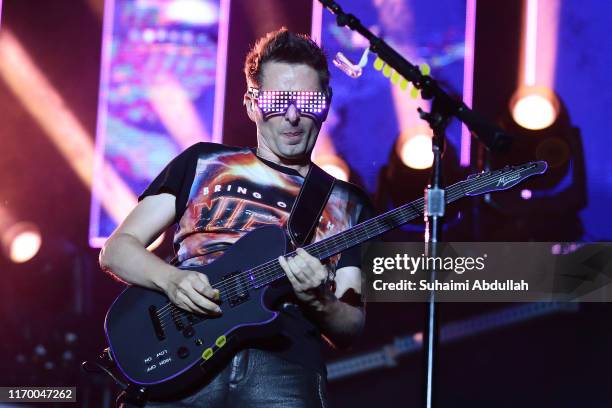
[224, 192]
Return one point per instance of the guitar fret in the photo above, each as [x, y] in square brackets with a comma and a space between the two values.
[376, 226]
[347, 239]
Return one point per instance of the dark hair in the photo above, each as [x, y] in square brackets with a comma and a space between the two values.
[285, 46]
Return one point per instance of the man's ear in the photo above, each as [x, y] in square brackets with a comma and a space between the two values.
[249, 104]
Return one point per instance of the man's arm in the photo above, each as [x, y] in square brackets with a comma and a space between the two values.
[339, 321]
[125, 256]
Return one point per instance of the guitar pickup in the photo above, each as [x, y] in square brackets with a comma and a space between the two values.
[239, 288]
[238, 299]
[193, 319]
[157, 326]
[177, 318]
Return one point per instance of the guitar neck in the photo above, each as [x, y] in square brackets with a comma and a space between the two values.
[475, 184]
[367, 230]
[377, 226]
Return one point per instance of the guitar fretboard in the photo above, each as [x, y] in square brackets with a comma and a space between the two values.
[367, 230]
[475, 185]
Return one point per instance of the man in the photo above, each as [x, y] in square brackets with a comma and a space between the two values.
[217, 193]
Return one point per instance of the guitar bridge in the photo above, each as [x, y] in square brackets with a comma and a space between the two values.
[177, 318]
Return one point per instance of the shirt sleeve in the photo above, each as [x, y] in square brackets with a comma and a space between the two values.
[176, 179]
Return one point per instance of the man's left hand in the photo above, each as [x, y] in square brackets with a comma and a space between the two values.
[308, 277]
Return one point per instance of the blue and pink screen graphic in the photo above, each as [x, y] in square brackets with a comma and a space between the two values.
[162, 71]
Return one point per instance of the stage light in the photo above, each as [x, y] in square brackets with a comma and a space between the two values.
[21, 242]
[148, 35]
[334, 165]
[414, 149]
[194, 12]
[468, 78]
[46, 105]
[540, 202]
[526, 194]
[539, 42]
[177, 112]
[534, 107]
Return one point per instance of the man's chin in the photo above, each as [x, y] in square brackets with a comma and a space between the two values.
[293, 153]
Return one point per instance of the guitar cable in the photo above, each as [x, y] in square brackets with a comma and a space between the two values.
[131, 393]
[103, 366]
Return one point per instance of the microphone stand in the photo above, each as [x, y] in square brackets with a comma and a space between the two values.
[438, 119]
[444, 107]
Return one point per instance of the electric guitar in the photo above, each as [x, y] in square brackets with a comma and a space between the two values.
[166, 350]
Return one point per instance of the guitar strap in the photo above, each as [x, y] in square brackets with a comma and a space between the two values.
[308, 205]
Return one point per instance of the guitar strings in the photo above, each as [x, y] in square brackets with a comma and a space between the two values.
[271, 268]
[269, 271]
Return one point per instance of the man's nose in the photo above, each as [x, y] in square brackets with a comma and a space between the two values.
[292, 114]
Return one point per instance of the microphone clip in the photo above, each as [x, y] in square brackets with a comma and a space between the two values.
[350, 68]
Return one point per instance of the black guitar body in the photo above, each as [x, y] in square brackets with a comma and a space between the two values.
[176, 351]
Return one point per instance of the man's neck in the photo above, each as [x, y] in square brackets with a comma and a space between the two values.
[299, 165]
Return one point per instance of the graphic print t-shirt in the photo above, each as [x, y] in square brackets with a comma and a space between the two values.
[224, 192]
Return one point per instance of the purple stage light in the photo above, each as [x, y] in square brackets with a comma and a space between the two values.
[468, 78]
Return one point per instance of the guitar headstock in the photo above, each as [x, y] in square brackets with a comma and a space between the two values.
[502, 179]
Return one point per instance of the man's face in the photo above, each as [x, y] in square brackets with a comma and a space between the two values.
[290, 136]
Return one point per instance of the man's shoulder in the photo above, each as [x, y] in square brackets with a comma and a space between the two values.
[210, 147]
[354, 191]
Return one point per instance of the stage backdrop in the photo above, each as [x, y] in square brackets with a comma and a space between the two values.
[161, 90]
[371, 112]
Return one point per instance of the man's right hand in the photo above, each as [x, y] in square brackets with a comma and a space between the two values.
[124, 255]
[191, 291]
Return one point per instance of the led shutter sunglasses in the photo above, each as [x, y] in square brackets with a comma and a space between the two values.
[314, 104]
